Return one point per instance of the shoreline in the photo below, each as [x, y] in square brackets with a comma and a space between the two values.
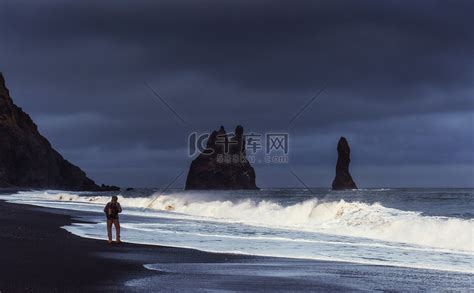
[42, 256]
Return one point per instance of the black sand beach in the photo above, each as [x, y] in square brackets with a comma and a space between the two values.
[38, 256]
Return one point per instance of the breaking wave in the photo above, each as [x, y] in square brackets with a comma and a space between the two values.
[343, 218]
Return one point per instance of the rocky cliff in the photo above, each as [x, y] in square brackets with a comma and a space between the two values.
[343, 179]
[28, 160]
[223, 165]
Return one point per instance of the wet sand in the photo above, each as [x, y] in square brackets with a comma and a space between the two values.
[36, 255]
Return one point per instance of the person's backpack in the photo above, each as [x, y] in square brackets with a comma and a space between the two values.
[113, 210]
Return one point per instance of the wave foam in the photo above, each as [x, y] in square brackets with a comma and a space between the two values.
[342, 218]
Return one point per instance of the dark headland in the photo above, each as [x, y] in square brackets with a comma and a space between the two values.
[27, 159]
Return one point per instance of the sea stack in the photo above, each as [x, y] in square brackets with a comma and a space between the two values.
[343, 179]
[223, 164]
[27, 159]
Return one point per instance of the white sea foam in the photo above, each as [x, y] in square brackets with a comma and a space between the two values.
[354, 219]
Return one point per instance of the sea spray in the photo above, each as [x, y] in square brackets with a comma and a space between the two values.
[343, 218]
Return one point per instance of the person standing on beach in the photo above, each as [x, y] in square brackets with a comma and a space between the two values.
[111, 210]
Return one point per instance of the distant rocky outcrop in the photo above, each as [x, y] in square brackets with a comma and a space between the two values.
[223, 165]
[27, 159]
[343, 179]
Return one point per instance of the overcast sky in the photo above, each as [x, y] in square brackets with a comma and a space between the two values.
[400, 84]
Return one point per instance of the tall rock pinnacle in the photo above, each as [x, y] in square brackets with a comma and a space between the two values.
[343, 179]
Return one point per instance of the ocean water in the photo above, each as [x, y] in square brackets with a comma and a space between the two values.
[415, 228]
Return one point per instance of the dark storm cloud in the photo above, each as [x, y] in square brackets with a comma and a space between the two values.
[79, 69]
[264, 42]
